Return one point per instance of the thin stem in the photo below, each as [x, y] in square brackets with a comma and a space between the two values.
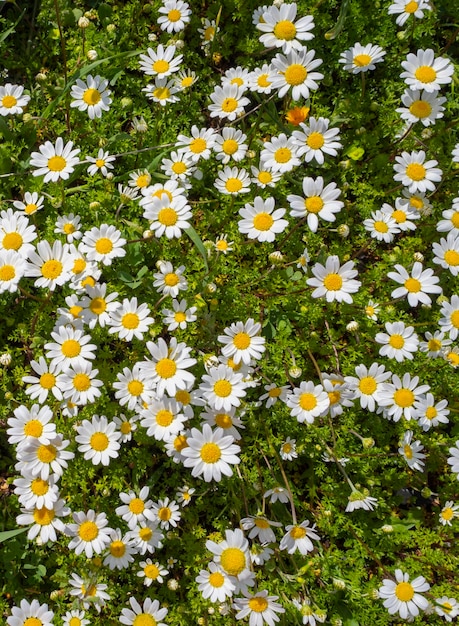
[64, 59]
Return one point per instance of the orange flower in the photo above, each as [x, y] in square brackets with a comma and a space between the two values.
[297, 115]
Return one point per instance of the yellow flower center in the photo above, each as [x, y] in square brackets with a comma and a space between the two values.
[30, 208]
[174, 15]
[411, 7]
[104, 245]
[453, 358]
[416, 171]
[222, 388]
[333, 282]
[130, 321]
[70, 348]
[420, 108]
[81, 382]
[180, 443]
[286, 449]
[12, 241]
[88, 531]
[261, 523]
[125, 428]
[265, 177]
[91, 96]
[233, 561]
[167, 216]
[209, 33]
[160, 192]
[79, 266]
[425, 74]
[367, 385]
[229, 105]
[183, 396]
[198, 145]
[242, 340]
[7, 272]
[33, 428]
[99, 441]
[39, 487]
[334, 397]
[404, 592]
[297, 532]
[258, 604]
[166, 368]
[275, 392]
[431, 413]
[210, 452]
[56, 163]
[314, 204]
[434, 345]
[455, 219]
[455, 318]
[396, 341]
[164, 417]
[145, 619]
[143, 180]
[223, 420]
[407, 451]
[33, 621]
[51, 269]
[369, 310]
[447, 514]
[283, 155]
[47, 454]
[160, 66]
[295, 74]
[100, 162]
[237, 80]
[284, 29]
[117, 549]
[315, 141]
[75, 621]
[380, 226]
[230, 146]
[164, 513]
[412, 285]
[43, 516]
[9, 101]
[97, 306]
[362, 60]
[452, 257]
[216, 579]
[135, 387]
[399, 216]
[69, 228]
[180, 317]
[151, 571]
[187, 81]
[161, 93]
[404, 397]
[262, 81]
[262, 221]
[136, 506]
[308, 401]
[233, 185]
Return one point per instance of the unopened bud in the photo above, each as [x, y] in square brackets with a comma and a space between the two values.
[92, 55]
[418, 256]
[276, 257]
[83, 22]
[368, 442]
[295, 371]
[343, 231]
[352, 327]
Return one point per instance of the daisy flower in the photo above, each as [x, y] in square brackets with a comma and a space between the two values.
[361, 58]
[91, 95]
[295, 72]
[434, 344]
[16, 234]
[70, 347]
[368, 384]
[228, 102]
[120, 550]
[140, 179]
[429, 413]
[55, 161]
[339, 393]
[162, 418]
[421, 106]
[161, 62]
[30, 613]
[162, 91]
[97, 306]
[151, 572]
[133, 387]
[281, 29]
[416, 285]
[166, 513]
[227, 421]
[89, 533]
[399, 397]
[41, 460]
[168, 280]
[180, 316]
[316, 139]
[447, 253]
[210, 453]
[261, 79]
[236, 76]
[50, 264]
[307, 402]
[185, 79]
[69, 225]
[449, 322]
[400, 342]
[298, 538]
[75, 618]
[411, 451]
[308, 615]
[199, 145]
[447, 608]
[371, 310]
[273, 394]
[208, 31]
[12, 269]
[280, 154]
[424, 71]
[35, 492]
[381, 226]
[318, 201]
[103, 244]
[179, 167]
[168, 217]
[44, 521]
[90, 592]
[12, 99]
[102, 163]
[403, 214]
[230, 145]
[415, 173]
[136, 508]
[175, 15]
[260, 608]
[260, 221]
[147, 537]
[223, 245]
[184, 494]
[405, 8]
[450, 221]
[31, 203]
[264, 177]
[130, 320]
[277, 494]
[448, 512]
[214, 584]
[222, 388]
[334, 282]
[232, 554]
[80, 385]
[232, 181]
[98, 440]
[126, 426]
[171, 188]
[404, 597]
[168, 366]
[260, 528]
[360, 500]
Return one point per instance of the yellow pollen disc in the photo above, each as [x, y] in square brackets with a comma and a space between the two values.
[333, 282]
[99, 442]
[179, 317]
[411, 7]
[216, 579]
[455, 219]
[396, 341]
[135, 387]
[297, 532]
[263, 221]
[161, 93]
[447, 514]
[362, 60]
[56, 164]
[164, 418]
[130, 320]
[91, 96]
[433, 345]
[81, 382]
[454, 318]
[88, 531]
[334, 397]
[198, 145]
[237, 81]
[380, 226]
[12, 241]
[425, 74]
[223, 420]
[183, 396]
[283, 155]
[125, 428]
[399, 216]
[431, 413]
[453, 358]
[210, 452]
[369, 310]
[136, 506]
[70, 348]
[51, 269]
[180, 443]
[171, 279]
[407, 451]
[167, 217]
[233, 561]
[151, 571]
[261, 523]
[286, 449]
[166, 368]
[416, 171]
[144, 619]
[33, 621]
[315, 141]
[230, 146]
[420, 108]
[47, 380]
[187, 81]
[367, 385]
[263, 81]
[39, 487]
[164, 513]
[79, 266]
[47, 454]
[75, 621]
[69, 229]
[90, 592]
[308, 401]
[412, 285]
[229, 105]
[143, 180]
[104, 245]
[30, 208]
[97, 306]
[223, 388]
[9, 102]
[275, 392]
[284, 29]
[404, 592]
[452, 257]
[404, 397]
[160, 192]
[7, 272]
[265, 177]
[314, 204]
[117, 549]
[258, 604]
[209, 33]
[174, 15]
[233, 185]
[160, 66]
[33, 428]
[241, 341]
[100, 162]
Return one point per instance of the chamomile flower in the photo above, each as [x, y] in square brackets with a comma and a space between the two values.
[161, 62]
[222, 388]
[140, 179]
[103, 244]
[97, 307]
[90, 533]
[210, 453]
[180, 166]
[381, 226]
[228, 102]
[236, 76]
[162, 418]
[12, 269]
[403, 214]
[273, 394]
[31, 203]
[75, 618]
[421, 106]
[130, 320]
[169, 365]
[185, 79]
[277, 494]
[91, 95]
[298, 538]
[12, 99]
[411, 451]
[447, 608]
[424, 71]
[450, 221]
[175, 15]
[166, 513]
[307, 402]
[171, 188]
[80, 385]
[447, 253]
[334, 281]
[223, 245]
[418, 204]
[70, 347]
[415, 173]
[102, 163]
[316, 139]
[259, 607]
[449, 322]
[34, 492]
[184, 495]
[404, 9]
[264, 177]
[400, 342]
[416, 285]
[55, 161]
[434, 344]
[162, 91]
[126, 425]
[399, 397]
[361, 58]
[368, 384]
[199, 145]
[120, 550]
[371, 310]
[51, 265]
[260, 528]
[318, 201]
[30, 614]
[208, 31]
[170, 281]
[232, 181]
[180, 316]
[89, 591]
[41, 460]
[280, 154]
[261, 221]
[133, 387]
[430, 413]
[281, 29]
[98, 439]
[16, 234]
[147, 537]
[136, 508]
[44, 521]
[339, 393]
[151, 572]
[404, 597]
[232, 554]
[360, 500]
[448, 512]
[242, 342]
[303, 260]
[215, 584]
[295, 73]
[230, 145]
[226, 420]
[261, 79]
[69, 225]
[169, 217]
[308, 615]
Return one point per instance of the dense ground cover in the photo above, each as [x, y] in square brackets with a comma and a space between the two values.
[229, 247]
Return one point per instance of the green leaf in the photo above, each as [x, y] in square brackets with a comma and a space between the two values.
[196, 239]
[11, 29]
[8, 534]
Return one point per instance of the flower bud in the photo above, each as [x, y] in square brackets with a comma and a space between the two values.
[368, 442]
[111, 28]
[276, 257]
[27, 117]
[418, 256]
[126, 103]
[92, 55]
[343, 231]
[211, 287]
[83, 22]
[295, 371]
[387, 528]
[353, 326]
[94, 205]
[41, 77]
[172, 584]
[5, 359]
